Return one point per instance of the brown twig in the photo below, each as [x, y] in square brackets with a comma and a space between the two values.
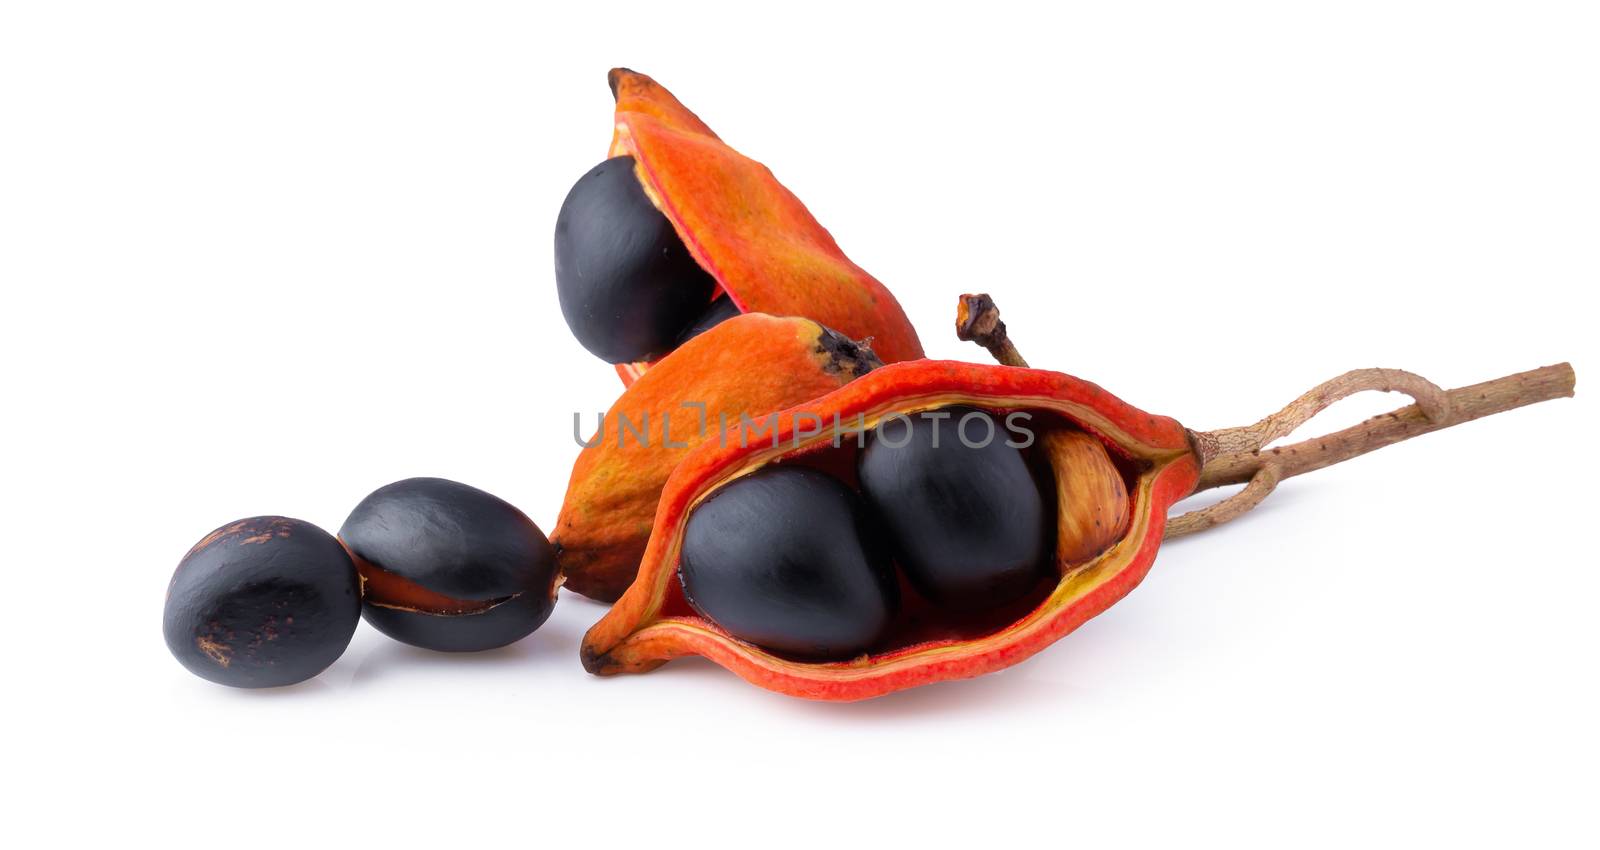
[1260, 487]
[1239, 455]
[978, 320]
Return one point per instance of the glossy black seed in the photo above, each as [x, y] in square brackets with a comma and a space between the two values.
[629, 288]
[720, 311]
[461, 570]
[964, 518]
[262, 602]
[783, 558]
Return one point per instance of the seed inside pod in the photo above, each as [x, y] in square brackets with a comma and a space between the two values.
[962, 512]
[784, 558]
[629, 289]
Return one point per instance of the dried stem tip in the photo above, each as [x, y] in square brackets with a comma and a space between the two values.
[978, 320]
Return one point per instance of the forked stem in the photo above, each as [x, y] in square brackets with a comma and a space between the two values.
[1239, 455]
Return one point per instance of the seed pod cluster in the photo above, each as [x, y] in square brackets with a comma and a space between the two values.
[888, 526]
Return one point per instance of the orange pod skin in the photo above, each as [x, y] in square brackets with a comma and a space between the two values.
[651, 624]
[750, 364]
[741, 225]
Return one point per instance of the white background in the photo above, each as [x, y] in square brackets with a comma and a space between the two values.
[263, 258]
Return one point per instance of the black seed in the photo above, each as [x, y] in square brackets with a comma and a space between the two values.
[783, 558]
[628, 286]
[450, 567]
[262, 602]
[965, 519]
[720, 311]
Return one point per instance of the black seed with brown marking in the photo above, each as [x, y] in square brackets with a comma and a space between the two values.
[262, 602]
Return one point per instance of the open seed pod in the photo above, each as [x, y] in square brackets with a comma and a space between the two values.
[653, 622]
[750, 364]
[753, 236]
[1116, 471]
